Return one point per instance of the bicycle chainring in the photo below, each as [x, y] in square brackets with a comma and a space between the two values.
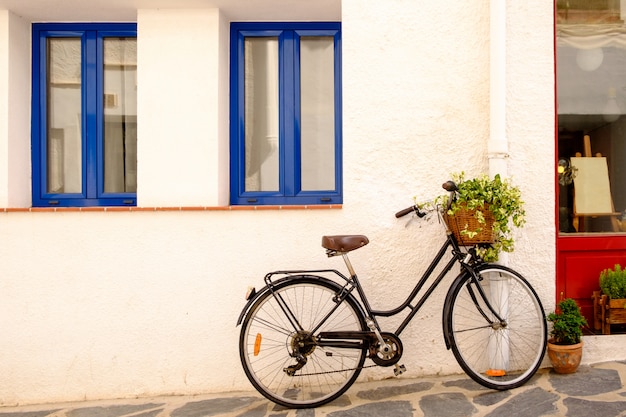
[386, 355]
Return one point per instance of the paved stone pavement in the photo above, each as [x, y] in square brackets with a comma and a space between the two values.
[596, 390]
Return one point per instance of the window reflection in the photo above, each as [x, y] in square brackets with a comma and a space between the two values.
[317, 112]
[261, 114]
[120, 115]
[591, 92]
[64, 143]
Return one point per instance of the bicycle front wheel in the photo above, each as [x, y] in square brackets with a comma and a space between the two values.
[497, 328]
[278, 347]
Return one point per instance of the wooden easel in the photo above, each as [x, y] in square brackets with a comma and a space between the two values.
[593, 189]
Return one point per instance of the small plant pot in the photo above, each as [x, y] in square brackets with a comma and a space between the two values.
[565, 358]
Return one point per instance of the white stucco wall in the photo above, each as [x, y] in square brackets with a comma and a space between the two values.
[14, 111]
[105, 305]
[183, 134]
[530, 130]
[123, 304]
[4, 103]
[414, 108]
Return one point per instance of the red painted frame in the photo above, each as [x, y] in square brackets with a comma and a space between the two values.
[580, 259]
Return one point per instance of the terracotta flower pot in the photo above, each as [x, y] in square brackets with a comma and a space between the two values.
[565, 358]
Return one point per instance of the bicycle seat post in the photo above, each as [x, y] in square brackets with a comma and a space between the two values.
[348, 264]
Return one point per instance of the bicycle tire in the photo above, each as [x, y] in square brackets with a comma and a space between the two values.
[267, 338]
[497, 356]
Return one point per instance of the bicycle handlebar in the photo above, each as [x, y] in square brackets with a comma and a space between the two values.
[448, 186]
[406, 211]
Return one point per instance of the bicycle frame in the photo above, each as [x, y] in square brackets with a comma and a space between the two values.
[338, 339]
[456, 252]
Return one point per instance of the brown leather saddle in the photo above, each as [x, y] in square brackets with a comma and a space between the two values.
[344, 243]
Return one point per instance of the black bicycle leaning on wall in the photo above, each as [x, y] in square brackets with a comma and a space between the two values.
[305, 336]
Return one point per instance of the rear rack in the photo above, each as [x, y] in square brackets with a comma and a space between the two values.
[309, 273]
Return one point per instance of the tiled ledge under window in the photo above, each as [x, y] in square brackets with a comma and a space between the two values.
[138, 209]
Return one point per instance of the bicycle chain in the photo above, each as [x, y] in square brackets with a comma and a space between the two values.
[333, 372]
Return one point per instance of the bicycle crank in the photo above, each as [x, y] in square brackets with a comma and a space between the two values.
[386, 354]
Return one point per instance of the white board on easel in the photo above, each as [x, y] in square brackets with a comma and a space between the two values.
[591, 184]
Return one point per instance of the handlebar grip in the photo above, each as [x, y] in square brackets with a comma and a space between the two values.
[406, 211]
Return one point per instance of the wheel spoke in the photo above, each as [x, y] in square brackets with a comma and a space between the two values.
[501, 356]
[269, 345]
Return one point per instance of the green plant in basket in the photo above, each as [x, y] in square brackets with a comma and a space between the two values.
[500, 198]
[613, 282]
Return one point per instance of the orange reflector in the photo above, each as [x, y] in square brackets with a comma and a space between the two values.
[257, 344]
[495, 372]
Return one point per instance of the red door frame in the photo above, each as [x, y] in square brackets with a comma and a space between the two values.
[580, 259]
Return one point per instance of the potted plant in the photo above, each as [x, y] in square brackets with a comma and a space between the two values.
[484, 213]
[565, 346]
[609, 304]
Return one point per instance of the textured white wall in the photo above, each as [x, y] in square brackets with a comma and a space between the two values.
[4, 105]
[415, 110]
[531, 132]
[101, 305]
[98, 305]
[182, 110]
[15, 188]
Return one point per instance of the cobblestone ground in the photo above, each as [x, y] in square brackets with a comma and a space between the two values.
[596, 390]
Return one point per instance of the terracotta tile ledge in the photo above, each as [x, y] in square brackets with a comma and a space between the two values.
[142, 209]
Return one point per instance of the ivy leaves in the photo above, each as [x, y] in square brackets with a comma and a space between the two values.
[501, 198]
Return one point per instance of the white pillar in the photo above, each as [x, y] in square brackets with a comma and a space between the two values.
[498, 147]
[15, 81]
[498, 153]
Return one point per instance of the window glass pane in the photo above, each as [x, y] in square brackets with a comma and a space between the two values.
[64, 137]
[317, 107]
[120, 115]
[261, 114]
[591, 83]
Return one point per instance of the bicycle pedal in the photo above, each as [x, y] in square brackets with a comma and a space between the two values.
[399, 370]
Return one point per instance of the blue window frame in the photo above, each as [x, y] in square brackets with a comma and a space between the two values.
[84, 119]
[285, 129]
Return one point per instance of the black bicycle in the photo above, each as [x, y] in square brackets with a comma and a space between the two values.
[305, 336]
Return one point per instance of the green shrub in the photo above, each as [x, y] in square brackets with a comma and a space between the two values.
[613, 282]
[567, 323]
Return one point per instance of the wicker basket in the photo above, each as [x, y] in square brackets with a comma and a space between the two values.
[463, 217]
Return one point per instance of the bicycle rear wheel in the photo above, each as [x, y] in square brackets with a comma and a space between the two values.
[498, 355]
[280, 355]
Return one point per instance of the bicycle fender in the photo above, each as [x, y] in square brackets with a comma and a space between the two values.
[446, 308]
[258, 294]
[265, 289]
[250, 302]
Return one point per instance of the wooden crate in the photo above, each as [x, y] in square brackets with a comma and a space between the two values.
[607, 312]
